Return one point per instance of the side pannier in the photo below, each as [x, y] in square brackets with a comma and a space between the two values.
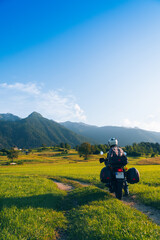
[132, 176]
[105, 175]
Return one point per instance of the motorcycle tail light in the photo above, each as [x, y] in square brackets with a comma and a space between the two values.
[120, 170]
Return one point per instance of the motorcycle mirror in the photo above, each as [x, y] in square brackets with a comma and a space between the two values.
[101, 152]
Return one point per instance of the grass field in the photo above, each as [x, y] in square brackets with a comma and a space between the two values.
[32, 207]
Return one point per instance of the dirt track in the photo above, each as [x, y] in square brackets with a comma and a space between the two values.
[62, 186]
[152, 213]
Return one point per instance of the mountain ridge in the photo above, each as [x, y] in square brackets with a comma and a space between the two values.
[9, 117]
[34, 131]
[125, 136]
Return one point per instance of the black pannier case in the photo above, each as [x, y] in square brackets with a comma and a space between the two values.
[118, 161]
[105, 175]
[132, 176]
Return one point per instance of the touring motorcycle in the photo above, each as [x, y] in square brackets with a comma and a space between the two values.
[116, 177]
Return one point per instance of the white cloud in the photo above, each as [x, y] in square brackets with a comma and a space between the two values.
[151, 123]
[22, 99]
[30, 88]
[130, 123]
[79, 112]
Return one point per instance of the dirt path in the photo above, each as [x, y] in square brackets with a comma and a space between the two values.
[62, 186]
[151, 212]
[131, 201]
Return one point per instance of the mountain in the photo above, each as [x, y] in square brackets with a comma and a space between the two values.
[125, 136]
[9, 117]
[34, 131]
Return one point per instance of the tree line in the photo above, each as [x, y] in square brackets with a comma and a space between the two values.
[134, 150]
[143, 149]
[13, 152]
[86, 149]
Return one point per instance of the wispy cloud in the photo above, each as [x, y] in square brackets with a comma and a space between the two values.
[21, 99]
[151, 123]
[29, 88]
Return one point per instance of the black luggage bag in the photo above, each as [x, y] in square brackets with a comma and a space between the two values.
[105, 175]
[120, 161]
[132, 176]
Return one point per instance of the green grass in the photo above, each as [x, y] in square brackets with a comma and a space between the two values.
[29, 208]
[32, 207]
[99, 216]
[148, 190]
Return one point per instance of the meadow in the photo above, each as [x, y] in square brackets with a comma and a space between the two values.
[32, 207]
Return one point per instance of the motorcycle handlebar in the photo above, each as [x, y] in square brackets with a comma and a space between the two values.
[101, 160]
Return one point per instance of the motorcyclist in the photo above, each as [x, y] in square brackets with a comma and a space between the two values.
[113, 143]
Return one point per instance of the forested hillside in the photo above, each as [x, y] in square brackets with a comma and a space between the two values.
[34, 131]
[9, 117]
[125, 136]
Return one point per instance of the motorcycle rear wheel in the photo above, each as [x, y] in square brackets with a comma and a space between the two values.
[118, 190]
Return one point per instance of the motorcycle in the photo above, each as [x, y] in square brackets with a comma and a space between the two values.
[117, 176]
[115, 179]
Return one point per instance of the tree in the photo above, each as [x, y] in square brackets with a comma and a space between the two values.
[67, 146]
[62, 145]
[84, 150]
[3, 152]
[12, 154]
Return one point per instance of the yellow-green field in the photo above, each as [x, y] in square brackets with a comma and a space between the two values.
[32, 207]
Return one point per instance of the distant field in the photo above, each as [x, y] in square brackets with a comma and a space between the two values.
[33, 208]
[149, 161]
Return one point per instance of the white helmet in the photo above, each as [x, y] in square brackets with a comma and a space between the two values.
[112, 142]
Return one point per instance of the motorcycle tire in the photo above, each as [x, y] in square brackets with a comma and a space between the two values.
[118, 190]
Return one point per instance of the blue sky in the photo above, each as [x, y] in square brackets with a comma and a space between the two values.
[86, 61]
